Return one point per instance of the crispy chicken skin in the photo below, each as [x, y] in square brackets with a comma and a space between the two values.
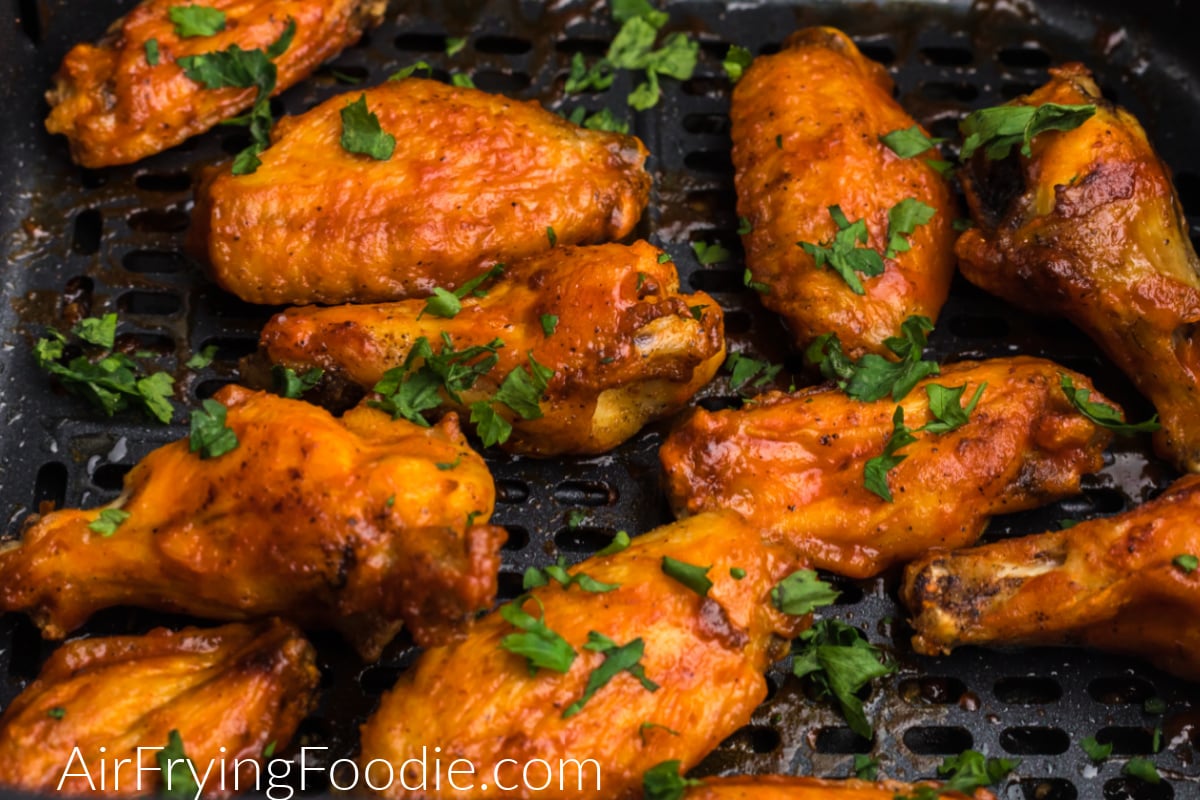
[1090, 228]
[475, 179]
[781, 787]
[626, 349]
[793, 464]
[828, 105]
[229, 691]
[478, 701]
[115, 107]
[1107, 583]
[346, 524]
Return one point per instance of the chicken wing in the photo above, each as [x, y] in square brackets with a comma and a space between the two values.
[227, 691]
[475, 179]
[806, 132]
[1127, 584]
[126, 97]
[360, 524]
[703, 656]
[779, 787]
[793, 465]
[1090, 227]
[625, 346]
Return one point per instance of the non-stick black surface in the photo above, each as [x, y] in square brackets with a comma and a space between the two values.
[110, 240]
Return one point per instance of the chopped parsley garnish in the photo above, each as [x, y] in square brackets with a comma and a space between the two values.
[961, 225]
[342, 77]
[876, 470]
[840, 662]
[1143, 769]
[269, 751]
[551, 236]
[173, 765]
[541, 647]
[802, 592]
[446, 466]
[454, 44]
[619, 543]
[843, 255]
[521, 391]
[710, 253]
[243, 69]
[690, 575]
[286, 383]
[865, 767]
[109, 520]
[409, 390]
[1154, 705]
[1186, 563]
[447, 304]
[410, 70]
[203, 358]
[1000, 128]
[650, 726]
[758, 286]
[152, 54]
[697, 312]
[617, 659]
[909, 142]
[737, 60]
[625, 10]
[945, 403]
[903, 219]
[602, 120]
[462, 80]
[744, 226]
[362, 134]
[58, 712]
[873, 377]
[663, 782]
[737, 573]
[101, 331]
[1103, 415]
[549, 324]
[196, 20]
[576, 517]
[969, 771]
[209, 434]
[663, 258]
[746, 371]
[535, 577]
[1096, 751]
[779, 141]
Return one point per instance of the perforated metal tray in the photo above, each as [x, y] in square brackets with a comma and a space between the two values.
[111, 240]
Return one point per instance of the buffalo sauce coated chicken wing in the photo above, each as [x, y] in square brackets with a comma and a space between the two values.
[229, 692]
[361, 524]
[779, 787]
[1089, 227]
[806, 128]
[475, 179]
[625, 346]
[126, 97]
[793, 465]
[704, 657]
[1126, 583]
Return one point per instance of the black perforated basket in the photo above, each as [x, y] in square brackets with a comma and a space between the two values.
[111, 240]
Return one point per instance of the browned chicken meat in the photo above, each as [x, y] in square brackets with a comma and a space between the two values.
[691, 669]
[806, 132]
[1090, 227]
[474, 179]
[128, 96]
[794, 465]
[624, 345]
[777, 787]
[102, 710]
[1128, 584]
[361, 524]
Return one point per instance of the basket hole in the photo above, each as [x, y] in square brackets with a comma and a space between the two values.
[706, 86]
[944, 128]
[159, 304]
[589, 47]
[937, 740]
[156, 343]
[421, 42]
[111, 477]
[511, 491]
[714, 404]
[158, 262]
[716, 281]
[948, 90]
[1105, 501]
[50, 485]
[1047, 789]
[231, 349]
[932, 690]
[840, 741]
[490, 80]
[1124, 690]
[981, 326]
[1011, 90]
[160, 182]
[1026, 56]
[503, 45]
[714, 161]
[851, 592]
[30, 20]
[753, 739]
[89, 228]
[1134, 789]
[583, 539]
[378, 678]
[947, 56]
[25, 650]
[737, 322]
[518, 538]
[1188, 185]
[714, 124]
[882, 52]
[509, 585]
[171, 220]
[208, 388]
[1028, 741]
[585, 493]
[1027, 691]
[1127, 741]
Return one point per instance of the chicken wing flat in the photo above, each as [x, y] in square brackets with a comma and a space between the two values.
[780, 787]
[1126, 583]
[228, 692]
[701, 671]
[361, 524]
[127, 97]
[475, 179]
[625, 346]
[793, 465]
[1090, 228]
[806, 132]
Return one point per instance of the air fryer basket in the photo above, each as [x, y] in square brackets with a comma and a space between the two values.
[111, 240]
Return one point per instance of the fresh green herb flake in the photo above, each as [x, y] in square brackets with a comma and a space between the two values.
[873, 377]
[176, 769]
[152, 54]
[1156, 740]
[1154, 705]
[903, 219]
[203, 358]
[625, 10]
[391, 501]
[758, 286]
[58, 712]
[650, 726]
[737, 61]
[875, 473]
[541, 576]
[663, 258]
[865, 767]
[663, 782]
[744, 226]
[101, 331]
[442, 303]
[1143, 769]
[1067, 524]
[268, 752]
[945, 404]
[1186, 563]
[840, 661]
[961, 225]
[287, 383]
[541, 646]
[446, 466]
[209, 434]
[745, 371]
[109, 520]
[625, 658]
[455, 44]
[779, 141]
[690, 575]
[193, 20]
[737, 573]
[346, 78]
[1095, 751]
[697, 312]
[362, 134]
[802, 592]
[998, 129]
[909, 142]
[843, 255]
[969, 771]
[1102, 414]
[710, 253]
[462, 80]
[549, 324]
[619, 543]
[410, 70]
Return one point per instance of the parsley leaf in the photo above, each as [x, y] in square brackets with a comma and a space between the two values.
[625, 10]
[710, 253]
[454, 44]
[362, 134]
[549, 324]
[690, 575]
[581, 78]
[737, 60]
[58, 712]
[744, 226]
[663, 782]
[447, 304]
[109, 520]
[876, 470]
[946, 406]
[1000, 128]
[602, 120]
[203, 358]
[101, 332]
[1186, 563]
[737, 573]
[758, 286]
[802, 592]
[446, 466]
[286, 383]
[1103, 415]
[407, 72]
[1096, 751]
[873, 377]
[209, 434]
[903, 219]
[625, 658]
[178, 783]
[909, 142]
[843, 255]
[462, 80]
[619, 543]
[535, 577]
[865, 767]
[551, 236]
[409, 390]
[152, 54]
[744, 370]
[541, 647]
[840, 662]
[1143, 769]
[969, 771]
[196, 20]
[522, 390]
